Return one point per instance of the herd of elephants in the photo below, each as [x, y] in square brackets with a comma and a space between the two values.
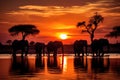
[79, 47]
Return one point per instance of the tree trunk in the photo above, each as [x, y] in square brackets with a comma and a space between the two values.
[92, 37]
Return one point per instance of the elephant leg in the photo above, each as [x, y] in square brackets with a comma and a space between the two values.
[75, 53]
[78, 53]
[14, 53]
[86, 51]
[83, 52]
[22, 53]
[48, 53]
[40, 53]
[93, 52]
[26, 51]
[97, 52]
[55, 53]
[102, 52]
[43, 52]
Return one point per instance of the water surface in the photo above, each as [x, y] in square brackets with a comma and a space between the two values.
[67, 67]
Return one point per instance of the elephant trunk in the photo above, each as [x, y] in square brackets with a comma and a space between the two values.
[108, 48]
[62, 50]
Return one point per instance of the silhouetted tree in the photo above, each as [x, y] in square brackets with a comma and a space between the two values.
[92, 25]
[9, 42]
[24, 29]
[114, 33]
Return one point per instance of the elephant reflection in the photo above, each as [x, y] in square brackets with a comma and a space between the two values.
[19, 65]
[20, 45]
[40, 48]
[100, 64]
[53, 66]
[99, 45]
[54, 46]
[80, 63]
[39, 63]
[80, 46]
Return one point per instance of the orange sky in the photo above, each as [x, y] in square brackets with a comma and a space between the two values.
[55, 17]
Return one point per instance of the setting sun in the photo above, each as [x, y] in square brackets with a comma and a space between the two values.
[63, 36]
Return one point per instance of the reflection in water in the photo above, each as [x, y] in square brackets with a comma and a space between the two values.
[20, 65]
[100, 64]
[53, 66]
[115, 66]
[39, 63]
[60, 67]
[80, 63]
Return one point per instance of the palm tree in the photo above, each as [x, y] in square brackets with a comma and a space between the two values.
[92, 24]
[9, 42]
[24, 29]
[114, 33]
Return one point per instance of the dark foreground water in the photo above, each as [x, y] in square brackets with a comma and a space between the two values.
[66, 67]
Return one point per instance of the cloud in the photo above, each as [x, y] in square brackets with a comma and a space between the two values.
[47, 11]
[103, 6]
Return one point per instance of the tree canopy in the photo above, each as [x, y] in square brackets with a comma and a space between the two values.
[114, 33]
[24, 29]
[92, 24]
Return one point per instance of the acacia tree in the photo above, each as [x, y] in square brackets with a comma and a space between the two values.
[24, 29]
[92, 25]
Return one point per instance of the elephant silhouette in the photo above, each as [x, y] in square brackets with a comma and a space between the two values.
[52, 47]
[20, 45]
[99, 45]
[80, 46]
[40, 48]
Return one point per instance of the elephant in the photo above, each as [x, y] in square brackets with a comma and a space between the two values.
[80, 46]
[54, 46]
[40, 48]
[99, 45]
[20, 45]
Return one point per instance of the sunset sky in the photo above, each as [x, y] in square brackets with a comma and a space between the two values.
[55, 17]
